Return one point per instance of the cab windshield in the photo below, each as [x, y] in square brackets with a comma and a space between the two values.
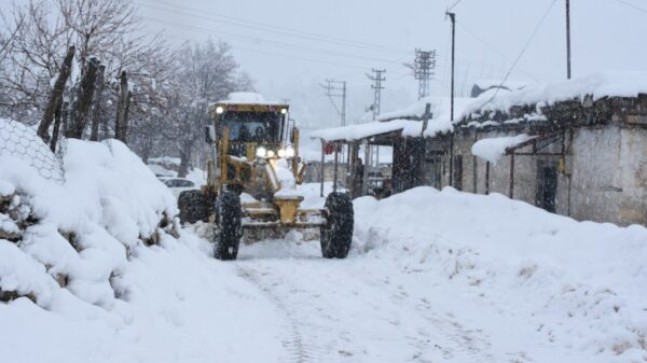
[259, 127]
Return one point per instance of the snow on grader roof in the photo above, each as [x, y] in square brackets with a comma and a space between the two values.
[248, 102]
[598, 85]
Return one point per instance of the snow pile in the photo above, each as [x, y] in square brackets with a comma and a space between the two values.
[494, 148]
[93, 269]
[619, 84]
[554, 288]
[79, 232]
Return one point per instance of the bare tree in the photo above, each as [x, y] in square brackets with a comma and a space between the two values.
[204, 73]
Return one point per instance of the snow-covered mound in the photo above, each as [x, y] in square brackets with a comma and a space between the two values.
[538, 278]
[94, 269]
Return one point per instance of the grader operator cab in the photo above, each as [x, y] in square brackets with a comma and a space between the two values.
[252, 174]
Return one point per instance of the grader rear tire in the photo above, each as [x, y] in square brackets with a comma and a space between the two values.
[337, 234]
[230, 226]
[193, 206]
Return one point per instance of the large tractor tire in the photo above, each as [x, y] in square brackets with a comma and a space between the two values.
[337, 233]
[193, 206]
[230, 227]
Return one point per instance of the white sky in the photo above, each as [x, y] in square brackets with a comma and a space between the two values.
[291, 46]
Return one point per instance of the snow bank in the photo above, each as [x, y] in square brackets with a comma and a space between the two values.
[94, 269]
[82, 229]
[562, 285]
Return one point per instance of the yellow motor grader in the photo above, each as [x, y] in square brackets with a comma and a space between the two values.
[252, 177]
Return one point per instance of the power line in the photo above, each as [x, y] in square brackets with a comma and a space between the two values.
[455, 5]
[493, 48]
[333, 88]
[239, 22]
[262, 41]
[523, 50]
[636, 7]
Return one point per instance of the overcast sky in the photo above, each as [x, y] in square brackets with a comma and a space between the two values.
[291, 46]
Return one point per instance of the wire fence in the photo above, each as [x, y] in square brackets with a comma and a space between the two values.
[19, 141]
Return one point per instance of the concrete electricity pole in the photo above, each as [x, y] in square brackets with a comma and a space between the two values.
[423, 66]
[452, 17]
[377, 77]
[568, 39]
[337, 89]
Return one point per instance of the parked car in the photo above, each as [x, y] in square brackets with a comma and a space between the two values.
[178, 185]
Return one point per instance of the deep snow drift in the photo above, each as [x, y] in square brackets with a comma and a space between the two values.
[556, 289]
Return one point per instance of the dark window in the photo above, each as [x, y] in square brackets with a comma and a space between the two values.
[546, 186]
[458, 172]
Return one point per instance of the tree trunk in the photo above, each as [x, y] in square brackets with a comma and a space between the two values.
[122, 109]
[84, 100]
[96, 112]
[57, 125]
[56, 96]
[185, 158]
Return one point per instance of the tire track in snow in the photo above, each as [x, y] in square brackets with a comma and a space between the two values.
[294, 344]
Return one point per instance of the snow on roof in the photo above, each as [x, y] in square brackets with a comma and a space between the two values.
[394, 121]
[598, 85]
[509, 84]
[440, 108]
[361, 131]
[493, 149]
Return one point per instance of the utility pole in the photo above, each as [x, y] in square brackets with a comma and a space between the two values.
[452, 17]
[422, 67]
[377, 77]
[568, 39]
[337, 89]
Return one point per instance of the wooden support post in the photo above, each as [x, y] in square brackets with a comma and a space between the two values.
[321, 175]
[335, 170]
[56, 96]
[511, 192]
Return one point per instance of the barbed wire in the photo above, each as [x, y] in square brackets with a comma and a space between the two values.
[18, 140]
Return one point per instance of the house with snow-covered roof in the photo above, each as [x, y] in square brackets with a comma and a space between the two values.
[577, 148]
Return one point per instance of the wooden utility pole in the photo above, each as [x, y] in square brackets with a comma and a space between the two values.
[56, 96]
[84, 100]
[123, 105]
[96, 112]
[568, 39]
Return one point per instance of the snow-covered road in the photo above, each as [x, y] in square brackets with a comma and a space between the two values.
[356, 310]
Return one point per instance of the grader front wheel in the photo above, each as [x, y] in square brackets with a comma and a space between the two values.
[337, 233]
[230, 228]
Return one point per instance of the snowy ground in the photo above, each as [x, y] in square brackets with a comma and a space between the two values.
[433, 276]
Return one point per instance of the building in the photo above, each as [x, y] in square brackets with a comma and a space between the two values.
[576, 148]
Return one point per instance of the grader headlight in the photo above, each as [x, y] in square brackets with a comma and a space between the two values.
[261, 152]
[289, 152]
[281, 153]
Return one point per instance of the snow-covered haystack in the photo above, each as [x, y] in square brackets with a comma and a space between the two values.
[579, 285]
[75, 234]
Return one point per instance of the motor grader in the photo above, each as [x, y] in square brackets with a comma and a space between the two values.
[252, 175]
